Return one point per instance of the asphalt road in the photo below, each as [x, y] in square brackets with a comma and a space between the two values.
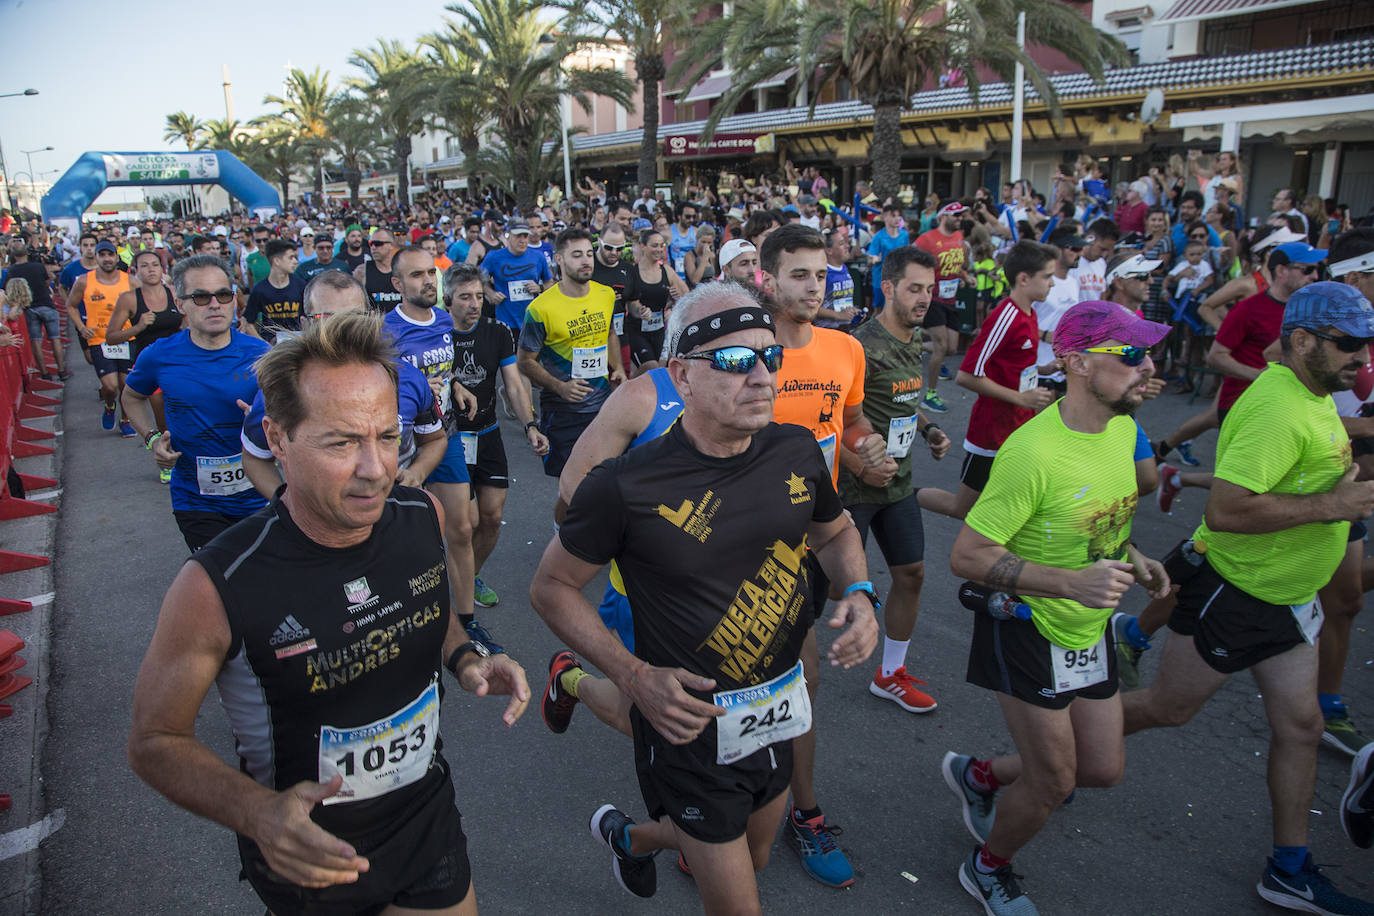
[1187, 831]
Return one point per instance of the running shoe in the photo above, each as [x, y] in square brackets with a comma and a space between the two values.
[1357, 804]
[999, 892]
[636, 874]
[1342, 734]
[1127, 655]
[901, 689]
[1167, 489]
[980, 810]
[683, 866]
[164, 475]
[945, 374]
[558, 704]
[126, 429]
[478, 633]
[933, 404]
[483, 595]
[1185, 454]
[107, 419]
[821, 857]
[1309, 891]
[65, 374]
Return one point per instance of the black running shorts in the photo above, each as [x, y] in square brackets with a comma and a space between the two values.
[418, 859]
[1232, 630]
[491, 469]
[1012, 657]
[199, 527]
[562, 428]
[707, 801]
[975, 471]
[896, 526]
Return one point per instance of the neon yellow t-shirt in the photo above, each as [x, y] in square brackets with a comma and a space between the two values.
[1281, 438]
[1062, 498]
[571, 337]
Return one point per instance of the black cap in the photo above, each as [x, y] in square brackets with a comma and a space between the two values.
[1067, 238]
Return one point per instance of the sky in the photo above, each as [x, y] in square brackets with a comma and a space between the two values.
[108, 75]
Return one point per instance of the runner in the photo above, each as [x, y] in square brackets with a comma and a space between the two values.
[653, 288]
[513, 276]
[820, 387]
[259, 613]
[882, 497]
[892, 236]
[1000, 368]
[714, 794]
[569, 349]
[90, 304]
[375, 273]
[1274, 531]
[682, 238]
[1035, 533]
[203, 372]
[946, 243]
[1091, 272]
[838, 310]
[352, 251]
[81, 265]
[488, 240]
[482, 349]
[739, 261]
[275, 303]
[324, 260]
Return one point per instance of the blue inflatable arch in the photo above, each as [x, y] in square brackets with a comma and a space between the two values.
[93, 172]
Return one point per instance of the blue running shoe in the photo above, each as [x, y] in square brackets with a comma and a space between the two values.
[107, 419]
[636, 874]
[478, 633]
[821, 856]
[945, 374]
[1309, 891]
[934, 404]
[979, 810]
[999, 892]
[126, 429]
[1185, 454]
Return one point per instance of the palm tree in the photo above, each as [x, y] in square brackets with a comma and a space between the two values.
[278, 151]
[497, 162]
[222, 133]
[521, 73]
[452, 101]
[640, 24]
[306, 105]
[184, 127]
[887, 50]
[394, 82]
[353, 136]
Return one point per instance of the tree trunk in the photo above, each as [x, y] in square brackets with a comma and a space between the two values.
[354, 178]
[520, 171]
[319, 176]
[650, 69]
[887, 149]
[470, 146]
[402, 148]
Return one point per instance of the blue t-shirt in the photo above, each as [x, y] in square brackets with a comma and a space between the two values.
[1180, 239]
[71, 273]
[458, 251]
[200, 388]
[429, 348]
[415, 411]
[545, 249]
[678, 246]
[508, 275]
[839, 294]
[882, 244]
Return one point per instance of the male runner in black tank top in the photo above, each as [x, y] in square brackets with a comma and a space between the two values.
[324, 620]
[708, 525]
[375, 273]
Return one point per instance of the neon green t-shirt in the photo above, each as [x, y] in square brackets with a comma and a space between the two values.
[1062, 498]
[1281, 438]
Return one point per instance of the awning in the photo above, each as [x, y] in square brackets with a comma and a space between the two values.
[713, 87]
[778, 80]
[1194, 10]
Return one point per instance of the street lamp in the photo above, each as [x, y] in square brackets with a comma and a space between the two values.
[3, 167]
[550, 43]
[5, 95]
[28, 154]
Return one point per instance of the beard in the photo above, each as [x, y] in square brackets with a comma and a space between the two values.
[1121, 404]
[1329, 380]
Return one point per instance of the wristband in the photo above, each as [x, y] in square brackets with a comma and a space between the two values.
[533, 424]
[867, 588]
[151, 438]
[469, 646]
[925, 433]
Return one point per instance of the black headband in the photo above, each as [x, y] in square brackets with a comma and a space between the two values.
[720, 324]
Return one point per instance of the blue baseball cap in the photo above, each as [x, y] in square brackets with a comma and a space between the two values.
[106, 245]
[1299, 253]
[641, 224]
[1330, 304]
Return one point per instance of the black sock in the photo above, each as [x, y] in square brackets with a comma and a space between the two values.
[466, 619]
[799, 815]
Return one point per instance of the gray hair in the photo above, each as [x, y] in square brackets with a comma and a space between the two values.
[336, 280]
[706, 299]
[459, 274]
[196, 262]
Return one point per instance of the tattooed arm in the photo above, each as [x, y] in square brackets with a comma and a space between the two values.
[982, 559]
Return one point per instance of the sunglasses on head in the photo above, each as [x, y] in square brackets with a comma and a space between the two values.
[222, 296]
[1131, 356]
[741, 359]
[1346, 344]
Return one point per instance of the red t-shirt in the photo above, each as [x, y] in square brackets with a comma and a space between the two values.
[949, 262]
[1249, 327]
[1004, 351]
[1131, 218]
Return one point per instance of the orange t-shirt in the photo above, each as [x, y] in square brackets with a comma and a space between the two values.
[816, 383]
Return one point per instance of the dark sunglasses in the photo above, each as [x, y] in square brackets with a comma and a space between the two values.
[1307, 270]
[1131, 356]
[222, 296]
[741, 359]
[1346, 344]
[375, 243]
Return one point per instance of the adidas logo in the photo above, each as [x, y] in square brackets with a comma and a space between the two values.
[289, 630]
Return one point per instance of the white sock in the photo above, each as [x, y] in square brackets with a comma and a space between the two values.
[894, 655]
[1176, 480]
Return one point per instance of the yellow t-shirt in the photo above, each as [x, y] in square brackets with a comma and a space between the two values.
[1280, 438]
[571, 337]
[1062, 498]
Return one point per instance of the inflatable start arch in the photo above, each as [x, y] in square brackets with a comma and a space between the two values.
[93, 172]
